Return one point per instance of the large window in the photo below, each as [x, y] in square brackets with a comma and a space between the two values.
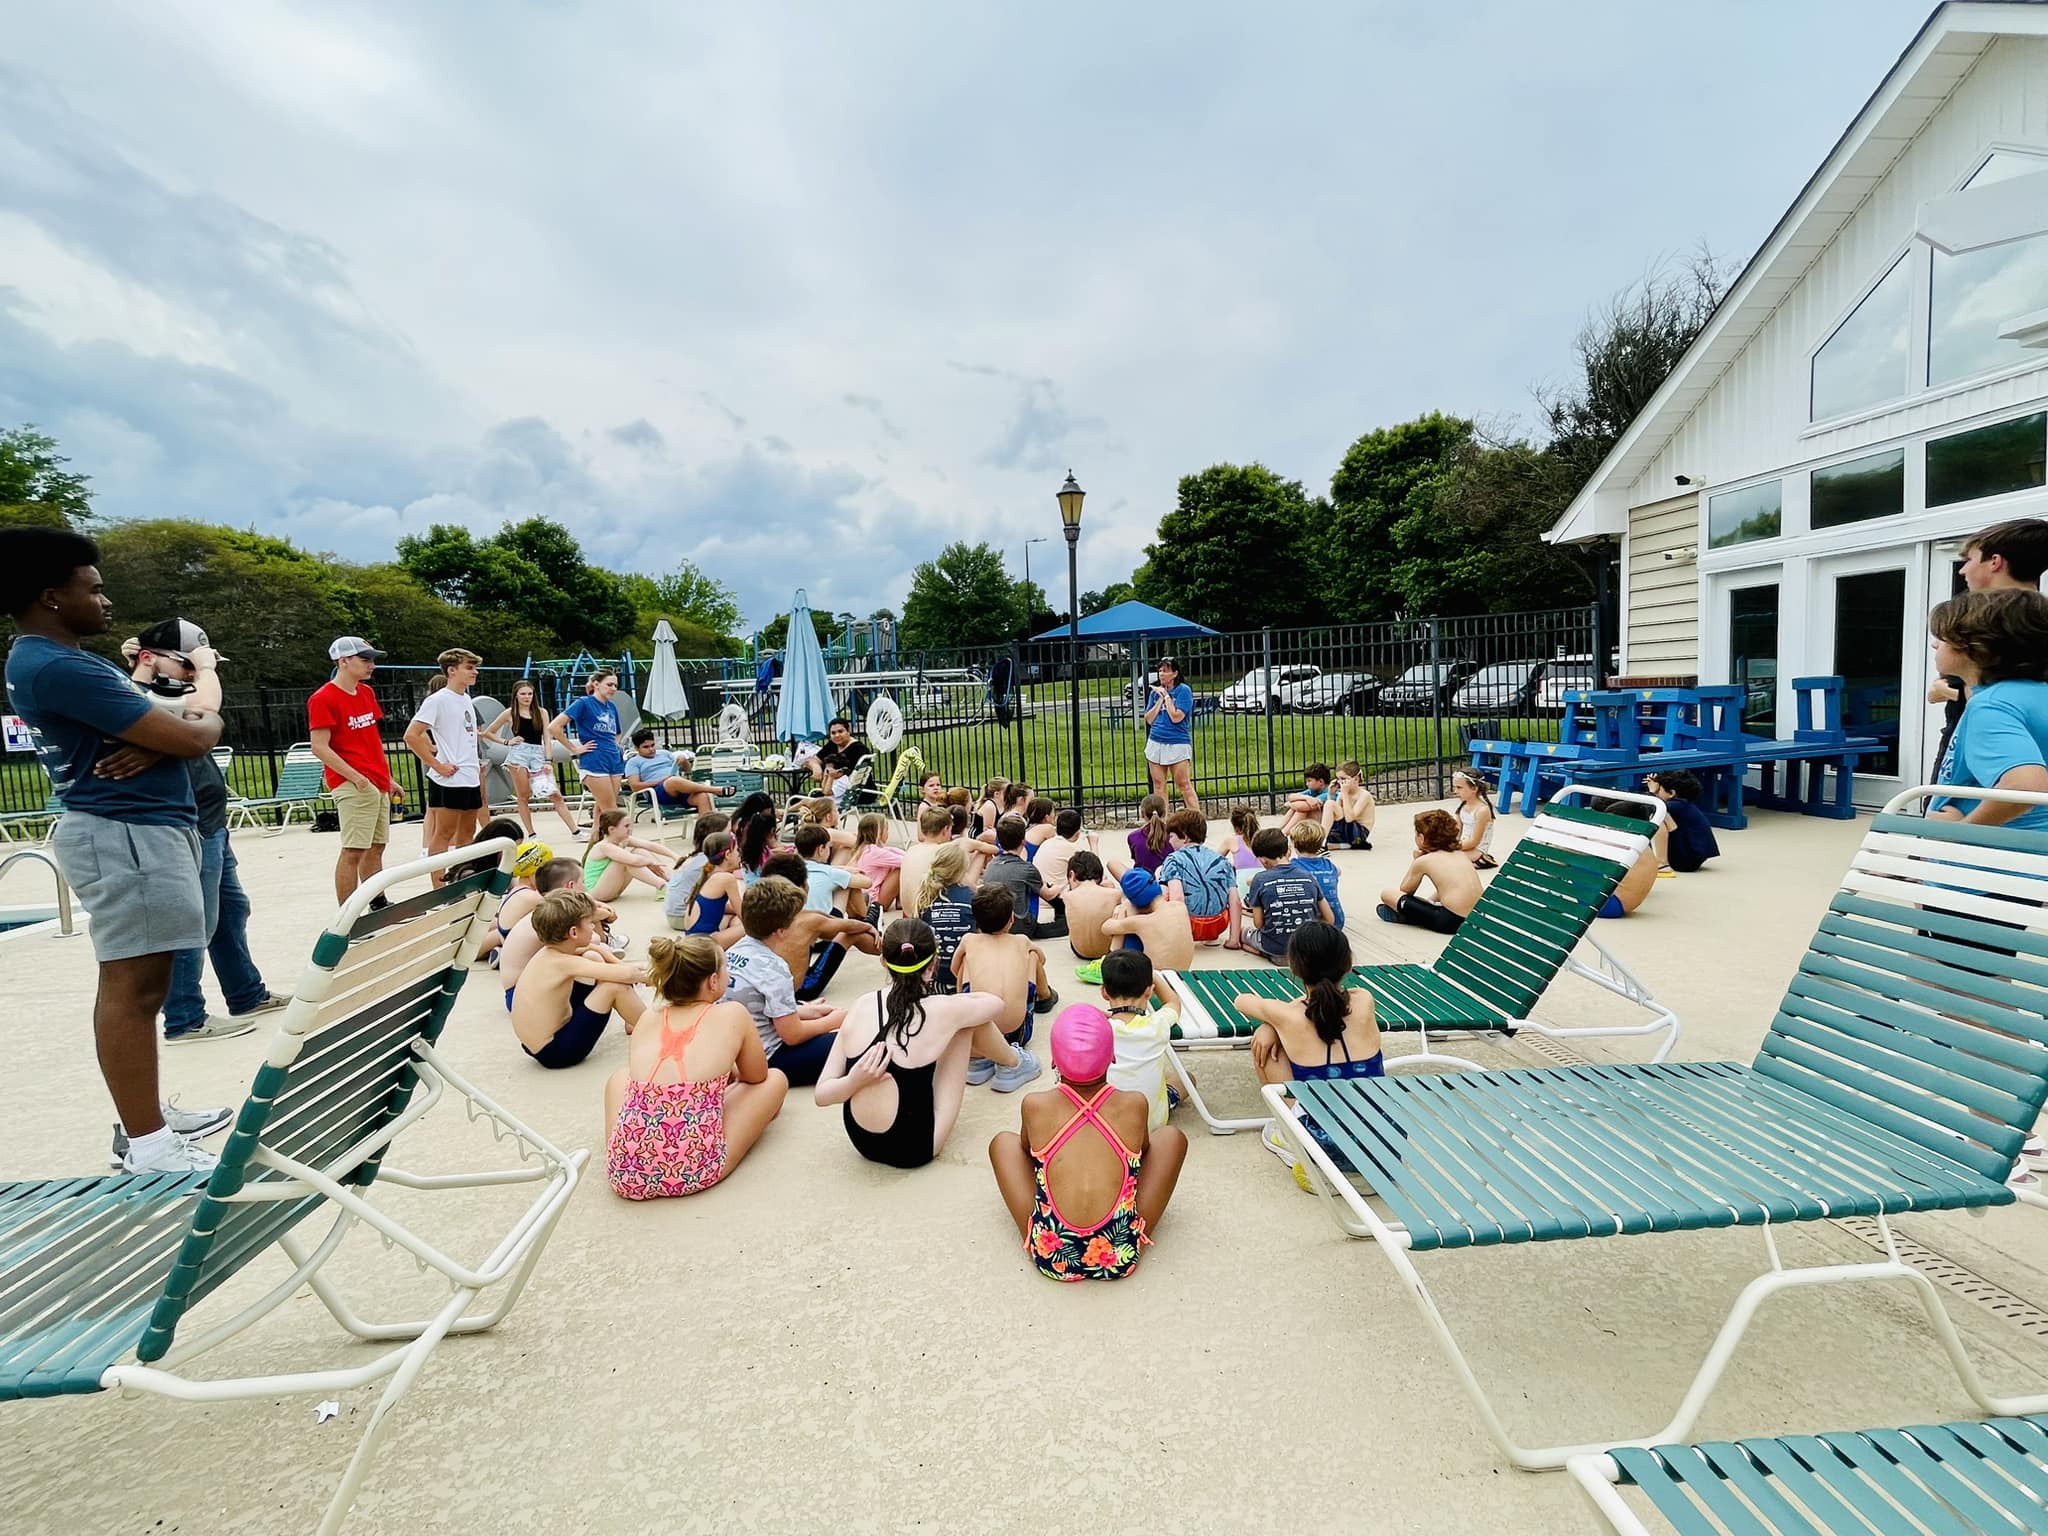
[1973, 295]
[1861, 489]
[2008, 456]
[1753, 655]
[1865, 362]
[1754, 512]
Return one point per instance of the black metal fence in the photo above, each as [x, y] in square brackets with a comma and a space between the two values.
[1400, 699]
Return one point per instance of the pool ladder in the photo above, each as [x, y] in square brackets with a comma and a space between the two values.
[64, 923]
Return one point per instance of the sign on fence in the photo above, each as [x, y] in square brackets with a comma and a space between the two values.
[18, 737]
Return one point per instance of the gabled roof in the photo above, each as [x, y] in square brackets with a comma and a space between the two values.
[1941, 53]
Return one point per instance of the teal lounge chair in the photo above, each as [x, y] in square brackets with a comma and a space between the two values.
[1905, 1067]
[1969, 1479]
[301, 785]
[99, 1277]
[1533, 915]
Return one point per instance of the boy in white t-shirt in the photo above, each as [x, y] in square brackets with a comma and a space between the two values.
[442, 736]
[1142, 1013]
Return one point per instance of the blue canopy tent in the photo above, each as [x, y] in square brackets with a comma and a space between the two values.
[1129, 621]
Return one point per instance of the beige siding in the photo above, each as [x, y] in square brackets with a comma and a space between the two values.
[1755, 417]
[1663, 595]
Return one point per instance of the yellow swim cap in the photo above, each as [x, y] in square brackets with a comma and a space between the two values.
[528, 857]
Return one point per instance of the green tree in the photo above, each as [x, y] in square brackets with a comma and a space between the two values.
[1494, 502]
[775, 633]
[689, 592]
[532, 571]
[271, 608]
[1232, 553]
[963, 597]
[1116, 592]
[35, 487]
[1382, 539]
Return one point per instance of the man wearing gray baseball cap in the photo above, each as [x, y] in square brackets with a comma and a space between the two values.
[342, 715]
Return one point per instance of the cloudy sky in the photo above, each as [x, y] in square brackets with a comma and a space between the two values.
[802, 291]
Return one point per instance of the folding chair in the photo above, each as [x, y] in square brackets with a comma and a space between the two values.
[1904, 1069]
[1537, 909]
[99, 1276]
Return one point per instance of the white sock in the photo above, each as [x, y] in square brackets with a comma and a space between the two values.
[146, 1149]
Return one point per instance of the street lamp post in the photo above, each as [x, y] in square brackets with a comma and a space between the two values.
[1027, 563]
[1070, 496]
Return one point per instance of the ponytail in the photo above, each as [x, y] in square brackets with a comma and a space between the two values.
[908, 949]
[679, 967]
[1320, 957]
[714, 849]
[1152, 812]
[755, 833]
[948, 867]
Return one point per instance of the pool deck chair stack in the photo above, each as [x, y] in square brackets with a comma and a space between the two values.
[1535, 912]
[1905, 1067]
[99, 1276]
[1970, 1479]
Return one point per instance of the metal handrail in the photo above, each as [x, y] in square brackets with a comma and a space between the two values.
[63, 888]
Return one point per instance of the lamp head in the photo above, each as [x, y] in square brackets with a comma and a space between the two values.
[1071, 496]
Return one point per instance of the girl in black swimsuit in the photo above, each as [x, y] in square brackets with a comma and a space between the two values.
[899, 1063]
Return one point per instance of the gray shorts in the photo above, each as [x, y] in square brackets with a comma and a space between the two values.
[141, 884]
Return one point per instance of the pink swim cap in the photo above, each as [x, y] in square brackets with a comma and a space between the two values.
[1083, 1044]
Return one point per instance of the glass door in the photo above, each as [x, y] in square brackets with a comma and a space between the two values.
[1753, 654]
[1944, 580]
[1868, 614]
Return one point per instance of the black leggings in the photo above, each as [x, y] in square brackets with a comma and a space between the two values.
[1422, 914]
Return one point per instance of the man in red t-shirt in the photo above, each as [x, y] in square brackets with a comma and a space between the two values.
[343, 715]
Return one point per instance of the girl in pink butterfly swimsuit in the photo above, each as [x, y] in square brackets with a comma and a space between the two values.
[697, 1091]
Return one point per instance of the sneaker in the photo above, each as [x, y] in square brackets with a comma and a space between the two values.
[2034, 1154]
[1089, 973]
[186, 1122]
[616, 938]
[1047, 1001]
[2021, 1178]
[979, 1070]
[182, 1156]
[272, 1001]
[1271, 1139]
[217, 1027]
[1010, 1079]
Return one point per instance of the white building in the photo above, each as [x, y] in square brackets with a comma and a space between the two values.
[1793, 499]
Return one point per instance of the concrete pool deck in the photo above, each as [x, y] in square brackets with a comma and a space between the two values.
[822, 1342]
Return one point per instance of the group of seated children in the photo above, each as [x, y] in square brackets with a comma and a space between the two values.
[1338, 802]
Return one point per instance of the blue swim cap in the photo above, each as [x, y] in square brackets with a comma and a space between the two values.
[1140, 889]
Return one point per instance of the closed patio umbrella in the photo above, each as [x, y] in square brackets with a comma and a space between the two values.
[665, 698]
[805, 708]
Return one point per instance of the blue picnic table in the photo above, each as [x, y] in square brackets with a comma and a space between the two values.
[1615, 737]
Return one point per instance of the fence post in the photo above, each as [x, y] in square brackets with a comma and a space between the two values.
[1266, 708]
[1017, 705]
[269, 739]
[1436, 704]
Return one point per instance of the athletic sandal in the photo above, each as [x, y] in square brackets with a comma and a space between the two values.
[1048, 1000]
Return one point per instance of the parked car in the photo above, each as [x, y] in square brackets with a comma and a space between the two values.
[1138, 700]
[1503, 688]
[1248, 695]
[1561, 676]
[1423, 686]
[1333, 693]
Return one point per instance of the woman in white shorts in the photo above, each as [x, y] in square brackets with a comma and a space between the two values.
[526, 753]
[1169, 734]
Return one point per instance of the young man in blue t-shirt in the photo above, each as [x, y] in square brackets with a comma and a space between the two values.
[653, 766]
[600, 756]
[127, 842]
[1997, 643]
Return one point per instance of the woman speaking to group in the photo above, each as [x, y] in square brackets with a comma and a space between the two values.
[1169, 741]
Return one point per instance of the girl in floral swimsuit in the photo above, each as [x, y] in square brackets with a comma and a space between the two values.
[1085, 1182]
[697, 1091]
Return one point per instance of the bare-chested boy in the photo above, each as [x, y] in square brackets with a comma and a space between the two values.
[569, 991]
[994, 960]
[934, 831]
[1091, 899]
[1348, 813]
[815, 942]
[521, 942]
[1454, 879]
[1160, 926]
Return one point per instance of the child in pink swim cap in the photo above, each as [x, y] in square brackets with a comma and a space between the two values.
[1086, 1181]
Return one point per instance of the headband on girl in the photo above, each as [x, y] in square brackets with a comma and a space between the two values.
[911, 966]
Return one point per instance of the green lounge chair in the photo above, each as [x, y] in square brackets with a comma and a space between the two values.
[1534, 913]
[301, 784]
[1905, 1066]
[1971, 1479]
[99, 1276]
